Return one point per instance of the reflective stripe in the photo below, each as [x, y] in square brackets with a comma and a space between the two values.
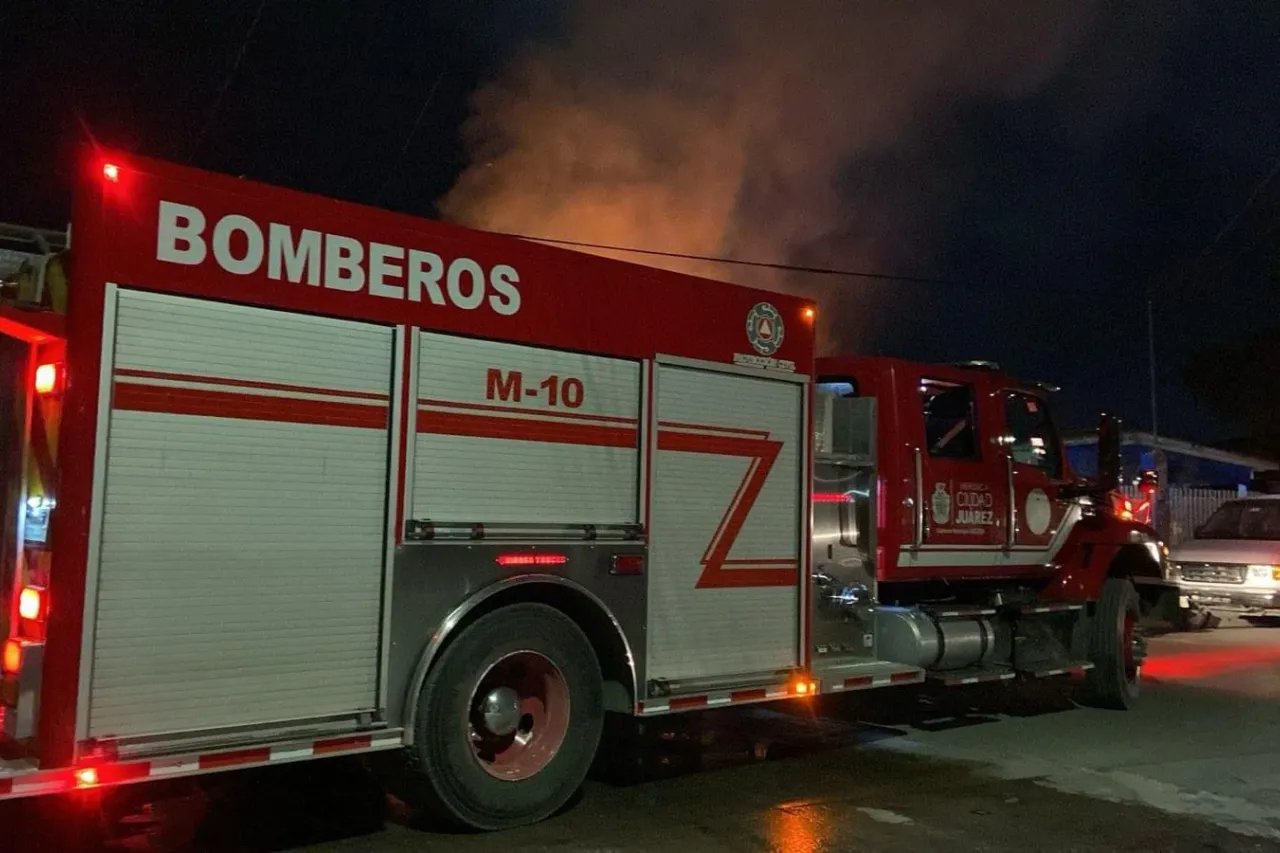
[36, 782]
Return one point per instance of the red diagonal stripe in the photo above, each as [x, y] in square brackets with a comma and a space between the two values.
[524, 429]
[250, 407]
[765, 451]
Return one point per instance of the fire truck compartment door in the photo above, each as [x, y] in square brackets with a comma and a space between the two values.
[243, 532]
[728, 481]
[517, 434]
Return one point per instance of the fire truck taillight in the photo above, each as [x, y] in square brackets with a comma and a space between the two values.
[48, 378]
[627, 564]
[11, 658]
[512, 560]
[111, 172]
[31, 604]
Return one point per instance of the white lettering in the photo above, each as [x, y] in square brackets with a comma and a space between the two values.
[178, 239]
[427, 276]
[222, 233]
[381, 268]
[342, 257]
[467, 301]
[239, 245]
[503, 279]
[295, 258]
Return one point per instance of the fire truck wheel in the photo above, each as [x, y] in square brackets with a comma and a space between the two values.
[509, 720]
[1116, 649]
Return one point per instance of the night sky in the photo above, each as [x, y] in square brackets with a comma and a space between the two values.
[1052, 170]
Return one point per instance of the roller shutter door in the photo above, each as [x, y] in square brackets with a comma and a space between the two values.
[244, 518]
[725, 540]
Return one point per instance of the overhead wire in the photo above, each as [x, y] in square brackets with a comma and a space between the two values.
[743, 262]
[226, 83]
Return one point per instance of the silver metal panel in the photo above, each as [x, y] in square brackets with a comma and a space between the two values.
[240, 571]
[439, 585]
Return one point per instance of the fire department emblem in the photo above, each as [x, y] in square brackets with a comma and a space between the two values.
[765, 328]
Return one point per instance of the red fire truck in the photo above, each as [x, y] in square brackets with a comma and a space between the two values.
[294, 478]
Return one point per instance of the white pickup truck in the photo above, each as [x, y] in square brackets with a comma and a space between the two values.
[1233, 563]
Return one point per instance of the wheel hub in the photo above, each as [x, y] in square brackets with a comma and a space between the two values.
[519, 715]
[500, 711]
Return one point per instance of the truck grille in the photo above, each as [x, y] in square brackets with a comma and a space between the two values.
[1213, 572]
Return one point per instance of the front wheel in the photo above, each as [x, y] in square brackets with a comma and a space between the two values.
[1115, 647]
[509, 720]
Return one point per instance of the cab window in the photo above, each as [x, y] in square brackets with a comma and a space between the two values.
[1030, 436]
[842, 386]
[950, 424]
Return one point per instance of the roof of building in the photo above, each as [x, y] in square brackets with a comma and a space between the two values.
[1175, 445]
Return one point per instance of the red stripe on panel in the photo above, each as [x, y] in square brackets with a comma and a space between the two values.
[521, 429]
[247, 383]
[763, 452]
[132, 397]
[484, 407]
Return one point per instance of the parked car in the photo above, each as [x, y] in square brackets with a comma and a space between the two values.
[1233, 563]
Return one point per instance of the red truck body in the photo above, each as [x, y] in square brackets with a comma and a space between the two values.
[294, 478]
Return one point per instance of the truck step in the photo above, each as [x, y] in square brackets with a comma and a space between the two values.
[1035, 608]
[958, 611]
[972, 675]
[1050, 669]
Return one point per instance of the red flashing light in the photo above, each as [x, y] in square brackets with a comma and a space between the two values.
[31, 603]
[47, 376]
[627, 564]
[511, 560]
[830, 498]
[11, 658]
[111, 172]
[86, 777]
[810, 313]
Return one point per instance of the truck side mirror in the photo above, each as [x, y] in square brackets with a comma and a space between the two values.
[1109, 453]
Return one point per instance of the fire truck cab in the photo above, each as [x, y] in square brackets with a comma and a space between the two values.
[950, 533]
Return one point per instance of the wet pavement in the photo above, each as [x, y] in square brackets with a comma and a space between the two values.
[1196, 767]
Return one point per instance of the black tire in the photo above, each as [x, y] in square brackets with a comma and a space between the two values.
[451, 784]
[1113, 681]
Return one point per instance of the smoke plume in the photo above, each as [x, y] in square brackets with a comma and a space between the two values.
[741, 128]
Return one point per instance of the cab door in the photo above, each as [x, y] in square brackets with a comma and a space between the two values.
[959, 469]
[1035, 470]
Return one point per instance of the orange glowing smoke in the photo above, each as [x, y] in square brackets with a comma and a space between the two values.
[746, 128]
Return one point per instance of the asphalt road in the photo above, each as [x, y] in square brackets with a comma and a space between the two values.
[1196, 767]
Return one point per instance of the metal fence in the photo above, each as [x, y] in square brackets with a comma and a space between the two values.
[1181, 509]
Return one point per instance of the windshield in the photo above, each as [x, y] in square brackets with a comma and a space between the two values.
[1243, 520]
